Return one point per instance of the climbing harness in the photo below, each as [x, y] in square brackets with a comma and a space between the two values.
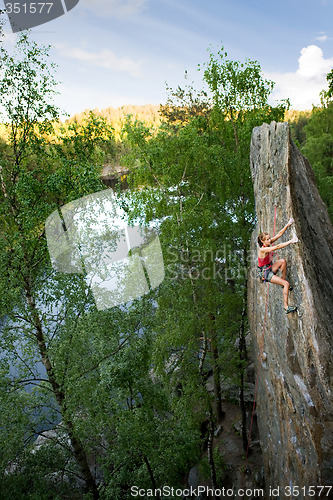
[263, 273]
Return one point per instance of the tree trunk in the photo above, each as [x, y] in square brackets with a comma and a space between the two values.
[235, 130]
[243, 356]
[243, 411]
[210, 451]
[217, 380]
[216, 370]
[151, 474]
[77, 446]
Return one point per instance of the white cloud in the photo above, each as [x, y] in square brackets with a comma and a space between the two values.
[322, 37]
[113, 8]
[104, 59]
[312, 64]
[304, 86]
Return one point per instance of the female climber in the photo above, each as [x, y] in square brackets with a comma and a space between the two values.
[268, 269]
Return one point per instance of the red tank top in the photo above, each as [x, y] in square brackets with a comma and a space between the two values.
[266, 261]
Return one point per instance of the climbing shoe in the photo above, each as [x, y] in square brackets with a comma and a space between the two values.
[290, 309]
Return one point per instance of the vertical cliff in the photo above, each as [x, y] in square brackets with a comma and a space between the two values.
[294, 401]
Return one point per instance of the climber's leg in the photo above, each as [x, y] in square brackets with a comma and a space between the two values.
[280, 264]
[282, 282]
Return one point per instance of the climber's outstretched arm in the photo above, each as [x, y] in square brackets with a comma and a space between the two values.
[280, 233]
[279, 246]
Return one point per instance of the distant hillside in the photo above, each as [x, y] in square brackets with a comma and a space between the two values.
[148, 113]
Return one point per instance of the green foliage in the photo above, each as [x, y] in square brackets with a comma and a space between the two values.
[148, 425]
[236, 86]
[297, 121]
[204, 469]
[313, 134]
[31, 172]
[183, 105]
[98, 380]
[329, 78]
[328, 94]
[318, 149]
[88, 140]
[26, 86]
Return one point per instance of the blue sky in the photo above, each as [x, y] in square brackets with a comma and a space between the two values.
[117, 52]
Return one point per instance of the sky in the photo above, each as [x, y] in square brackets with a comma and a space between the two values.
[118, 52]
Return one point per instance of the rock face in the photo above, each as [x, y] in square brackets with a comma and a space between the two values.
[293, 352]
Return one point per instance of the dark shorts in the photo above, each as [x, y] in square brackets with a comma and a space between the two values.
[265, 273]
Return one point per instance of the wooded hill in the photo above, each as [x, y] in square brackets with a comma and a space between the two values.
[149, 114]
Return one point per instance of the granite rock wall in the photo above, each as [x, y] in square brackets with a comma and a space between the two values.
[293, 352]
